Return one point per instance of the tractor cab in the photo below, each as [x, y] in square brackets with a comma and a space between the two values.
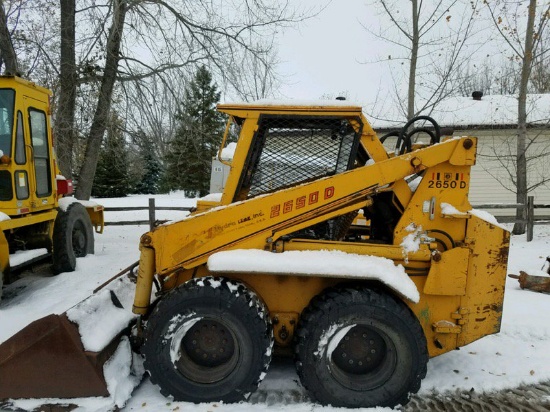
[27, 171]
[33, 217]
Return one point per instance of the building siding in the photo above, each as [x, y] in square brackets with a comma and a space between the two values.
[491, 180]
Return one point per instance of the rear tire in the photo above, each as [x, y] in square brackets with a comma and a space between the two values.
[360, 348]
[209, 339]
[72, 237]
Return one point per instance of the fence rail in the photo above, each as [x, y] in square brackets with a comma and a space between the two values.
[152, 208]
[528, 211]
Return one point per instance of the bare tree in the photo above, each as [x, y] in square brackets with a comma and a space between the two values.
[103, 107]
[65, 113]
[32, 30]
[507, 77]
[109, 43]
[540, 73]
[476, 77]
[174, 38]
[255, 78]
[6, 46]
[490, 77]
[523, 45]
[152, 124]
[434, 52]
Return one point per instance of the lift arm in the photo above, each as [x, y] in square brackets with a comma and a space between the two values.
[260, 221]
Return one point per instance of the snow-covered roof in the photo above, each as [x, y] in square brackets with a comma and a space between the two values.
[295, 102]
[491, 110]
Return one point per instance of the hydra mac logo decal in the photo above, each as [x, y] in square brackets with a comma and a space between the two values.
[301, 202]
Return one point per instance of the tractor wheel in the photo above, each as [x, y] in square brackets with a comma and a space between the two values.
[72, 237]
[209, 339]
[359, 347]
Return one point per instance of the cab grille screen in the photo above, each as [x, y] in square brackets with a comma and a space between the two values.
[293, 150]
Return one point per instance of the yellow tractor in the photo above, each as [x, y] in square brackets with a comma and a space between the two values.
[281, 265]
[36, 219]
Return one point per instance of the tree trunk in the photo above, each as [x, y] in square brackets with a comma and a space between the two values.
[521, 160]
[65, 112]
[101, 116]
[6, 46]
[415, 40]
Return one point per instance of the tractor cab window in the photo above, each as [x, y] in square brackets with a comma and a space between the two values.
[39, 138]
[289, 150]
[20, 156]
[6, 120]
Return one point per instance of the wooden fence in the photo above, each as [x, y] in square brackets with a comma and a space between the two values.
[529, 212]
[152, 208]
[529, 219]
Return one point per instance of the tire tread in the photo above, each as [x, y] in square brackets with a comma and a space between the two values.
[320, 308]
[64, 259]
[207, 286]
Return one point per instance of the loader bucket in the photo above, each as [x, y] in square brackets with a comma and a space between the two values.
[63, 356]
[47, 360]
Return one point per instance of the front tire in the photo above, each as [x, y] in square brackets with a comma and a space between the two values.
[209, 339]
[359, 347]
[72, 237]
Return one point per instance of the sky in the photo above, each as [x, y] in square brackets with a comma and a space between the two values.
[333, 53]
[325, 54]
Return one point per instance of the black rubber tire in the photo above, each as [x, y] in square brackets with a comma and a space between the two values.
[336, 336]
[180, 352]
[72, 237]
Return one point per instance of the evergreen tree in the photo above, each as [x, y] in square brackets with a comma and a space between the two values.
[150, 180]
[197, 138]
[111, 178]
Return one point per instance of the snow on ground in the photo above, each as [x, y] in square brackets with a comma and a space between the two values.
[518, 354]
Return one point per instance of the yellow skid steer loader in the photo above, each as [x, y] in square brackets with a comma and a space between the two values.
[281, 265]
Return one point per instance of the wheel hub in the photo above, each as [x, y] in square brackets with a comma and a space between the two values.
[208, 343]
[360, 351]
[79, 241]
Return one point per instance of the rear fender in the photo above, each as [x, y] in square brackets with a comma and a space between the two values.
[96, 216]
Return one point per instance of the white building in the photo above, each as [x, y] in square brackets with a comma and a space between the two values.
[493, 119]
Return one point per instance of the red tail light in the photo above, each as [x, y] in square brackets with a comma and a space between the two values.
[64, 186]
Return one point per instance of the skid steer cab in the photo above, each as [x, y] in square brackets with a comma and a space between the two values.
[279, 263]
[37, 219]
